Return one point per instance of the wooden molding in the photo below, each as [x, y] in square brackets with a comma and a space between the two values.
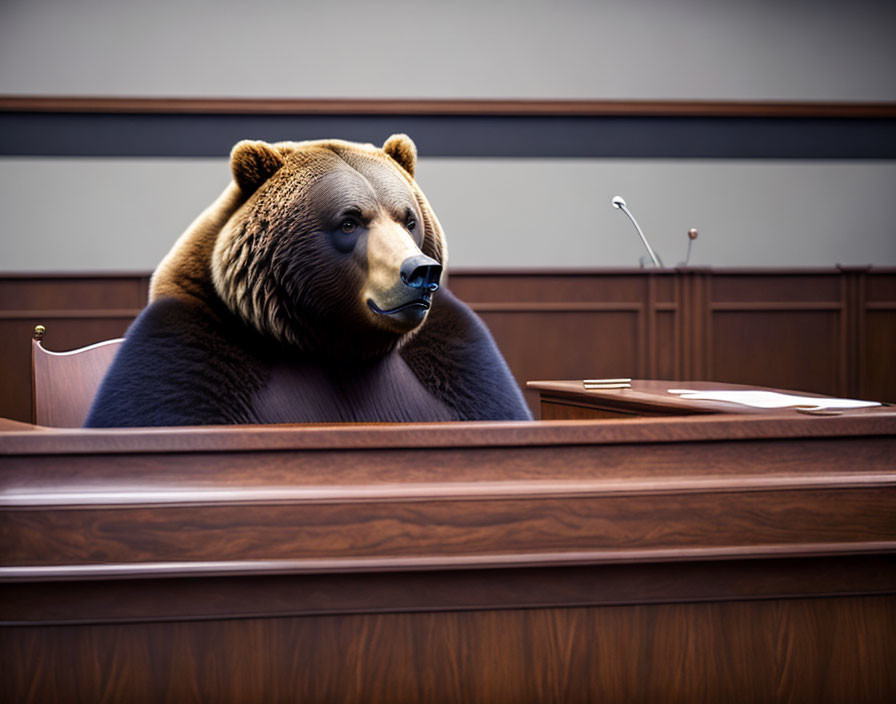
[84, 313]
[235, 568]
[439, 590]
[455, 107]
[507, 434]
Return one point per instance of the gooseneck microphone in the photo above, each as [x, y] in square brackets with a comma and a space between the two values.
[619, 202]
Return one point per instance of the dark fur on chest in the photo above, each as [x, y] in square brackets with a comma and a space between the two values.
[382, 391]
[180, 365]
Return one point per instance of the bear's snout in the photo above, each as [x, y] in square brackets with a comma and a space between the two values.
[421, 272]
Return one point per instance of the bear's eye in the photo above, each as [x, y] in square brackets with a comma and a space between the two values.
[411, 224]
[349, 226]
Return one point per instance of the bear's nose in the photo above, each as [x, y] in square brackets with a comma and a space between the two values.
[421, 272]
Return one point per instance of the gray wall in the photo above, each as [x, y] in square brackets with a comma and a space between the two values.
[736, 49]
[123, 214]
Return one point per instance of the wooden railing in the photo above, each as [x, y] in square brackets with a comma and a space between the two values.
[500, 107]
[714, 558]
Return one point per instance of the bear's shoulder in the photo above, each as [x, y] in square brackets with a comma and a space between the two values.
[180, 365]
[455, 357]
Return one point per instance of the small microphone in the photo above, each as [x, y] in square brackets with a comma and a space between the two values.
[692, 235]
[619, 202]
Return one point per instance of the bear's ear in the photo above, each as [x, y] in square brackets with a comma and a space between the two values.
[253, 163]
[402, 148]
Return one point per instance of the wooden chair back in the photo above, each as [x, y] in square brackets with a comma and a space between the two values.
[63, 384]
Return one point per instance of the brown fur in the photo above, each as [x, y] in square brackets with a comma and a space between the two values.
[401, 148]
[253, 163]
[236, 251]
[304, 293]
[185, 272]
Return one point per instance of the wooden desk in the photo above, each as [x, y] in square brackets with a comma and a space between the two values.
[569, 400]
[713, 558]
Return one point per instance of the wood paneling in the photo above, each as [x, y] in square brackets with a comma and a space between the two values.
[743, 651]
[76, 310]
[875, 330]
[829, 332]
[879, 353]
[799, 350]
[215, 597]
[588, 324]
[695, 559]
[788, 330]
[511, 494]
[822, 331]
[398, 528]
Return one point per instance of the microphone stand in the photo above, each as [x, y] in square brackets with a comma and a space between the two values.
[619, 202]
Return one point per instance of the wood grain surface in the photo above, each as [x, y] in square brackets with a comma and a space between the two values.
[711, 558]
[571, 400]
[768, 651]
[216, 595]
[583, 527]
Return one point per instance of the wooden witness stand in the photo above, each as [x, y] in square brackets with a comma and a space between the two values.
[703, 558]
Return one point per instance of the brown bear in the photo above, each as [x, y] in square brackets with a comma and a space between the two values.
[309, 291]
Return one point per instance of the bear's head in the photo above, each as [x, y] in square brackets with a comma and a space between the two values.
[327, 246]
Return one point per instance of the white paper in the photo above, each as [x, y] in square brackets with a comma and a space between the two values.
[772, 399]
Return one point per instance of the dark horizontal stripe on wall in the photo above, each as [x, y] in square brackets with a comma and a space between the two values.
[145, 128]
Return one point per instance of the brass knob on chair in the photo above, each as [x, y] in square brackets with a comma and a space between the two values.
[39, 332]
